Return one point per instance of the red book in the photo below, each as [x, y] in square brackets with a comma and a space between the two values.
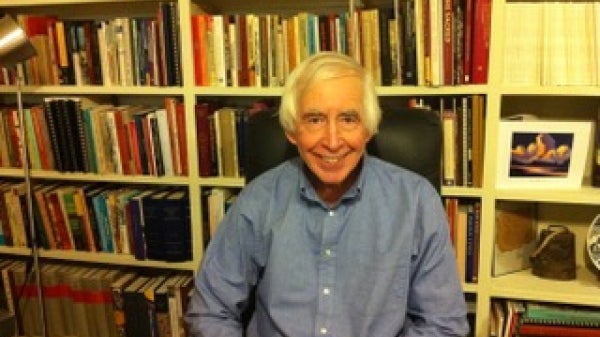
[481, 41]
[181, 137]
[468, 40]
[123, 141]
[448, 43]
[14, 137]
[61, 233]
[42, 137]
[244, 71]
[203, 111]
[148, 146]
[200, 49]
[174, 131]
[538, 330]
[135, 147]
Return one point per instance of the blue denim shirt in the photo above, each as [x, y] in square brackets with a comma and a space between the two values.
[379, 264]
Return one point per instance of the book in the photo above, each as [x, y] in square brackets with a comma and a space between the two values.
[176, 223]
[540, 330]
[161, 302]
[226, 142]
[167, 226]
[561, 314]
[203, 139]
[136, 217]
[216, 207]
[153, 229]
[136, 323]
[118, 302]
[482, 13]
[515, 236]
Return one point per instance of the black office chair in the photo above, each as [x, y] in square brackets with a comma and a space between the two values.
[411, 138]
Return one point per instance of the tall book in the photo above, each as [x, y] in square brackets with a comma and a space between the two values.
[177, 241]
[203, 111]
[117, 288]
[226, 140]
[482, 20]
[153, 224]
[167, 226]
[136, 323]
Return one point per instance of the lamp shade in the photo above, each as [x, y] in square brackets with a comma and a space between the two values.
[14, 44]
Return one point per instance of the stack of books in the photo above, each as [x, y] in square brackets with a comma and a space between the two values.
[544, 319]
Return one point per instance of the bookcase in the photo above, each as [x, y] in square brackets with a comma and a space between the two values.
[574, 207]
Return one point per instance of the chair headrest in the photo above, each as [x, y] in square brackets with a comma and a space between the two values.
[407, 137]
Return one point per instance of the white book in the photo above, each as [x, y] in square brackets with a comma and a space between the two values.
[522, 43]
[216, 207]
[112, 140]
[219, 50]
[580, 53]
[165, 141]
[234, 53]
[555, 67]
[435, 41]
[122, 28]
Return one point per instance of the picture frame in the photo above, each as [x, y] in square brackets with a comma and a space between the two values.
[542, 153]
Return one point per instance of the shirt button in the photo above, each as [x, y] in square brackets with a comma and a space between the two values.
[326, 291]
[331, 213]
[327, 252]
[323, 331]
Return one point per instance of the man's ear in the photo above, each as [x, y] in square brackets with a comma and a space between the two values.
[291, 137]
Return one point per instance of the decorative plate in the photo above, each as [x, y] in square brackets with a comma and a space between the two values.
[593, 241]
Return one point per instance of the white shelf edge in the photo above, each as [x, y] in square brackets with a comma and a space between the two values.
[523, 285]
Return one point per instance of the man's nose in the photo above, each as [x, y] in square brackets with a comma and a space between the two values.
[333, 134]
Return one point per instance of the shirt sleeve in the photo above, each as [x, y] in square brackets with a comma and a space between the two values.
[225, 280]
[436, 303]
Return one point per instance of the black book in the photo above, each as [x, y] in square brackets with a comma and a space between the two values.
[50, 110]
[134, 303]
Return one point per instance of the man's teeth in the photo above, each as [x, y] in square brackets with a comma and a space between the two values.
[331, 159]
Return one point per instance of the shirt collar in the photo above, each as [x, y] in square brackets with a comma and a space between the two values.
[308, 192]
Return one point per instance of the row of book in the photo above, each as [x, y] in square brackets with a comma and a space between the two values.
[220, 131]
[90, 301]
[463, 128]
[417, 42]
[534, 319]
[148, 223]
[464, 219]
[552, 43]
[68, 134]
[118, 51]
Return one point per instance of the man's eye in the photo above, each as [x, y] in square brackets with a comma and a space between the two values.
[349, 119]
[313, 119]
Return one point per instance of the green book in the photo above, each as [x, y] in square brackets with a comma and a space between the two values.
[561, 314]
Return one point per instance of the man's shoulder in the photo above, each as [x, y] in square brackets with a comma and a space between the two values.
[283, 177]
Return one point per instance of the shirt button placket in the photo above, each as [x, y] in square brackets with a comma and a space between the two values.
[326, 273]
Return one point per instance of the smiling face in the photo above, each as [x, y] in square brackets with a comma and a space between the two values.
[330, 133]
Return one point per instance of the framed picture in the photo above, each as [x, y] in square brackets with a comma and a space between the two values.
[542, 153]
